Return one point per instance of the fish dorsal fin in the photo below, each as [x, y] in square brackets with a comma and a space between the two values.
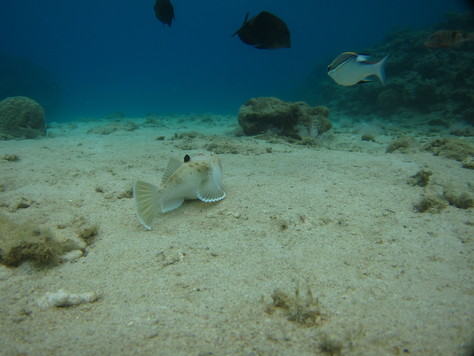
[341, 59]
[245, 22]
[246, 17]
[173, 165]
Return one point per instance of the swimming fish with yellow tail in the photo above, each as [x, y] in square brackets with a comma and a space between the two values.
[351, 68]
[196, 178]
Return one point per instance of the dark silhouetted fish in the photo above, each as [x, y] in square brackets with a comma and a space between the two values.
[164, 11]
[264, 31]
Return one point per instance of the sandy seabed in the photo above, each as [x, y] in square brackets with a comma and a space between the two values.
[314, 251]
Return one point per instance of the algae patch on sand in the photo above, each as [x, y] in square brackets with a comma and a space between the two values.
[430, 204]
[421, 178]
[459, 199]
[29, 242]
[403, 144]
[453, 148]
[305, 311]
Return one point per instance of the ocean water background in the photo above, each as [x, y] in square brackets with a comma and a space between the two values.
[110, 56]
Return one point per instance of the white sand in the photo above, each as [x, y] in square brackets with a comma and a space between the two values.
[340, 222]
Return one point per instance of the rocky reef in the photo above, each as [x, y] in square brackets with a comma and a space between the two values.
[21, 117]
[434, 84]
[290, 119]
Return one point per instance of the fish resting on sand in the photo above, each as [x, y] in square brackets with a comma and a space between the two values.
[196, 178]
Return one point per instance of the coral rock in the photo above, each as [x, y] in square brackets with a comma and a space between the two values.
[21, 117]
[292, 119]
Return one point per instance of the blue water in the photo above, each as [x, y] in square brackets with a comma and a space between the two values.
[110, 56]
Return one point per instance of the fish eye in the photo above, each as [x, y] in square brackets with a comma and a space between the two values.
[187, 158]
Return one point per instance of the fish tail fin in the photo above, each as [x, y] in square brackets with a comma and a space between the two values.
[380, 71]
[470, 36]
[147, 202]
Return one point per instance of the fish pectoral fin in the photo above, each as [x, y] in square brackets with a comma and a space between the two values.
[146, 197]
[171, 204]
[210, 192]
